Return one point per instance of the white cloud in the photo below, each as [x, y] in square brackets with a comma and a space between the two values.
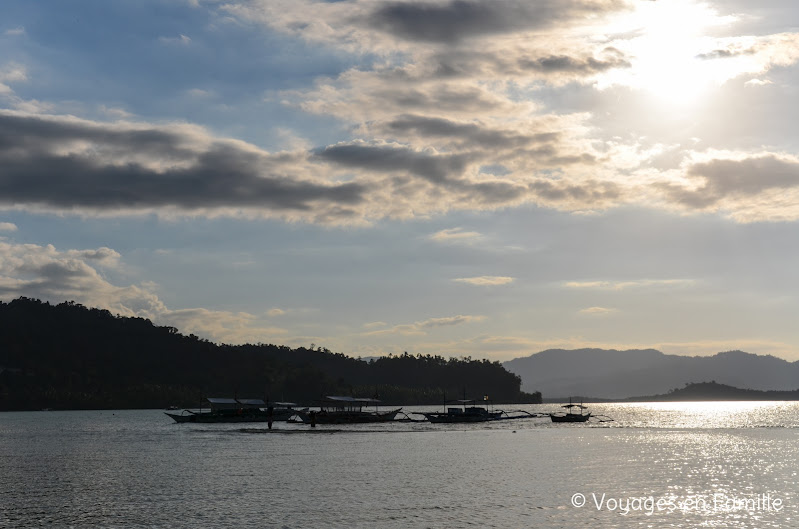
[45, 273]
[114, 113]
[199, 93]
[15, 31]
[420, 328]
[13, 73]
[622, 285]
[8, 226]
[455, 235]
[180, 39]
[597, 311]
[758, 82]
[485, 281]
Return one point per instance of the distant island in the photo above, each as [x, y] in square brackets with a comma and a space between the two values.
[68, 356]
[713, 391]
[695, 392]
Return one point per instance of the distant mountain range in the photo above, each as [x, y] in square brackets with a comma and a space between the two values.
[614, 374]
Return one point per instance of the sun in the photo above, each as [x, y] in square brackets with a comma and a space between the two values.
[668, 45]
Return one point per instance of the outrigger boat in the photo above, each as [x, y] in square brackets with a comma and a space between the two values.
[468, 412]
[570, 415]
[346, 410]
[238, 410]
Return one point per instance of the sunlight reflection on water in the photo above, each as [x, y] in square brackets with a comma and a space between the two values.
[136, 469]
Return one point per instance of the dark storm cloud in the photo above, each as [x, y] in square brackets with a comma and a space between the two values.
[573, 65]
[37, 135]
[71, 164]
[736, 179]
[445, 172]
[460, 63]
[438, 169]
[450, 22]
[466, 132]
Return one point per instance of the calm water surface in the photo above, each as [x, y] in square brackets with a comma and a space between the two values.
[656, 465]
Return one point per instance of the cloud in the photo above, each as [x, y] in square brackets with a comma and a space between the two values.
[722, 178]
[451, 21]
[509, 60]
[45, 273]
[450, 86]
[66, 164]
[455, 235]
[420, 328]
[569, 64]
[276, 312]
[383, 26]
[484, 281]
[15, 31]
[180, 39]
[749, 187]
[393, 158]
[756, 54]
[102, 256]
[199, 93]
[230, 327]
[13, 73]
[448, 321]
[428, 112]
[8, 226]
[469, 134]
[69, 165]
[623, 285]
[361, 97]
[597, 311]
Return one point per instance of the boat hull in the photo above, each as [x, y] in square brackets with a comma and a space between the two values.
[348, 417]
[450, 418]
[570, 417]
[216, 417]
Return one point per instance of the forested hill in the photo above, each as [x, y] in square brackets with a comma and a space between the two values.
[68, 356]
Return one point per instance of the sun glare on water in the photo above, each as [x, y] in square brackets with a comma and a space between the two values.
[668, 46]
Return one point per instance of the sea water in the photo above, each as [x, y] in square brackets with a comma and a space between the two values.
[656, 465]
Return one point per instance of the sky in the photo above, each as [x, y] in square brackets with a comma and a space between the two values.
[483, 178]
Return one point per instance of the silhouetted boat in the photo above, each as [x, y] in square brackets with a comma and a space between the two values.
[346, 410]
[238, 410]
[464, 413]
[570, 415]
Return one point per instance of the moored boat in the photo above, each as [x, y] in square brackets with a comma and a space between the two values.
[573, 413]
[347, 410]
[467, 412]
[237, 410]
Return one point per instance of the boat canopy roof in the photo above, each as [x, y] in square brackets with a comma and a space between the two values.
[351, 400]
[574, 406]
[284, 404]
[217, 402]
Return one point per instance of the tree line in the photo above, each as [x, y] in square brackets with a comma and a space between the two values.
[68, 356]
